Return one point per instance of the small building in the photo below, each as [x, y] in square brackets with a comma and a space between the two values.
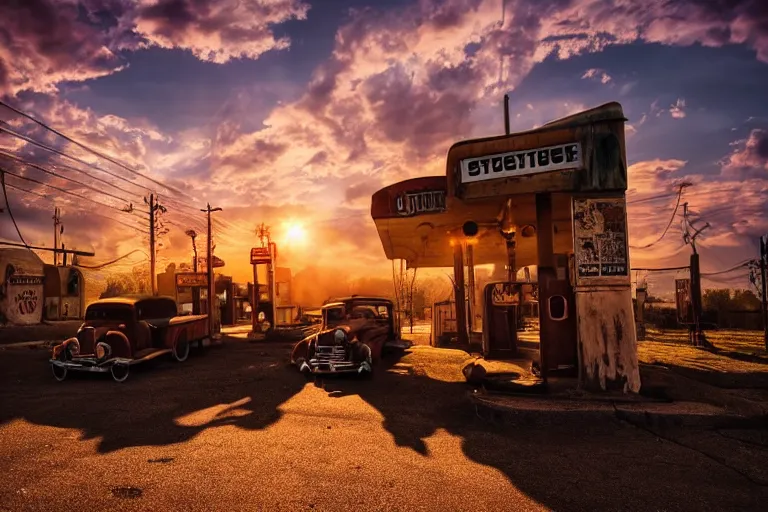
[64, 292]
[21, 293]
[553, 198]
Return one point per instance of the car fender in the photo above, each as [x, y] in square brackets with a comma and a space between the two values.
[59, 349]
[119, 344]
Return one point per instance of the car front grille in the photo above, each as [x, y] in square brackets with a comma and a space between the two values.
[335, 354]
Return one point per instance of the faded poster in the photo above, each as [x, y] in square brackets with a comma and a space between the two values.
[600, 237]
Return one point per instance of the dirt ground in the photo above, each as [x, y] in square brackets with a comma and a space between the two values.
[236, 428]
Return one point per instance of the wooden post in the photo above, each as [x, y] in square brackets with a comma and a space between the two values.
[211, 284]
[763, 263]
[461, 305]
[471, 286]
[544, 232]
[696, 299]
[255, 299]
[152, 254]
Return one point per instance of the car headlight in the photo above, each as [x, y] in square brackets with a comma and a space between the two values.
[103, 351]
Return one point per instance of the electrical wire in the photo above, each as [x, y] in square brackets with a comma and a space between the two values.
[108, 263]
[90, 212]
[737, 267]
[669, 224]
[64, 191]
[653, 198]
[10, 212]
[56, 175]
[83, 146]
[69, 167]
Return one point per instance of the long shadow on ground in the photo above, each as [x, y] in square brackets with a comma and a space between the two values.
[607, 466]
[573, 467]
[162, 402]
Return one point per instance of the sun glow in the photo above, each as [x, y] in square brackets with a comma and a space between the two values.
[295, 233]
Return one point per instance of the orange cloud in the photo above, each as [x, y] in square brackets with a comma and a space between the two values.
[399, 88]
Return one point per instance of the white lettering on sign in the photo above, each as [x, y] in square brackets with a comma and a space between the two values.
[521, 163]
[411, 203]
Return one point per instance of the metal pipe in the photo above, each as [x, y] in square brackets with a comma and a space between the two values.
[506, 114]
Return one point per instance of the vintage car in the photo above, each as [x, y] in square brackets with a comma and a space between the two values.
[123, 331]
[355, 331]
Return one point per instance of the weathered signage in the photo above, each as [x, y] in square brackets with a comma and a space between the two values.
[506, 294]
[521, 163]
[25, 280]
[413, 203]
[26, 302]
[260, 255]
[600, 238]
[190, 279]
[683, 303]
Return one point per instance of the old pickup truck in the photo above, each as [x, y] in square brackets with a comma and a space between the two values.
[122, 331]
[354, 333]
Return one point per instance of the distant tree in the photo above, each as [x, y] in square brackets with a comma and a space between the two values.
[134, 282]
[115, 288]
[745, 300]
[717, 299]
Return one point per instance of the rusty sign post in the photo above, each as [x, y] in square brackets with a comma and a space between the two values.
[259, 256]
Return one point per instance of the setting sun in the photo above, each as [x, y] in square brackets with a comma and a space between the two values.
[295, 233]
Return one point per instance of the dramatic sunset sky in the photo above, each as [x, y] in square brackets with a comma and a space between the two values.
[288, 111]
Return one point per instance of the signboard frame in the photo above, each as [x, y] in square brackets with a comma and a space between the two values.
[260, 255]
[420, 202]
[525, 162]
[191, 280]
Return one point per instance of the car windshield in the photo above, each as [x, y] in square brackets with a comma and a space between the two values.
[109, 313]
[335, 315]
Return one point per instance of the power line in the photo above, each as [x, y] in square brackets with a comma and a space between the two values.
[667, 269]
[10, 212]
[653, 198]
[56, 175]
[72, 168]
[90, 212]
[102, 265]
[737, 267]
[64, 191]
[83, 146]
[671, 220]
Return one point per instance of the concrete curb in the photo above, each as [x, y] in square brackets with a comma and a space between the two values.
[539, 410]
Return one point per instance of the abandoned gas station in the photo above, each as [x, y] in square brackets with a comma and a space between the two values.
[552, 198]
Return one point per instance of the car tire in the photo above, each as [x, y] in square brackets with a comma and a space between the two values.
[119, 372]
[181, 349]
[59, 372]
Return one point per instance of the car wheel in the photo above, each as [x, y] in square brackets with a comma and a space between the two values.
[59, 372]
[119, 372]
[181, 349]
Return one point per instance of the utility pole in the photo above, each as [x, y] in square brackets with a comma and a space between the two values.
[191, 233]
[56, 233]
[209, 262]
[697, 337]
[154, 207]
[763, 286]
